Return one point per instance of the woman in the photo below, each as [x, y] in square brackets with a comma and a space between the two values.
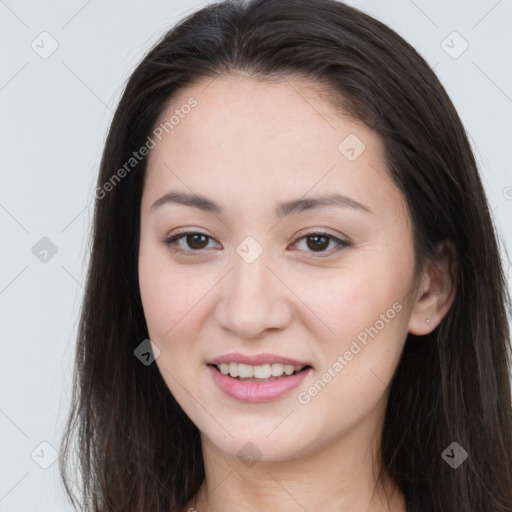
[295, 297]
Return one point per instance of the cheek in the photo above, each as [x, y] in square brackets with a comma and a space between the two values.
[359, 362]
[168, 301]
[156, 296]
[169, 294]
[364, 317]
[351, 299]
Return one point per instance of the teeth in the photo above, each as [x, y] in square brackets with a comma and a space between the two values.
[288, 369]
[245, 370]
[261, 371]
[277, 369]
[233, 369]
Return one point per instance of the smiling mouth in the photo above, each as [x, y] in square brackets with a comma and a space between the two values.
[259, 373]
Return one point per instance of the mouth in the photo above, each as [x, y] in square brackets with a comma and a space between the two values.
[259, 373]
[260, 383]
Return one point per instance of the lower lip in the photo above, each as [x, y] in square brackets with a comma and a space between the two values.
[247, 391]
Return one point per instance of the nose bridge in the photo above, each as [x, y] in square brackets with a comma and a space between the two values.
[250, 278]
[253, 299]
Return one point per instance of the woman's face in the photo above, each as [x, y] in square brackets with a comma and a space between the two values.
[271, 274]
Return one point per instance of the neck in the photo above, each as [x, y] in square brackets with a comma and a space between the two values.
[340, 476]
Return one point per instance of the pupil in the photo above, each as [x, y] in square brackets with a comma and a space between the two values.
[316, 238]
[195, 236]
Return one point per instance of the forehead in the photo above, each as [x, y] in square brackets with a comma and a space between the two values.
[252, 139]
[236, 109]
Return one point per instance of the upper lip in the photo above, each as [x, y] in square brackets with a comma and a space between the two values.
[235, 357]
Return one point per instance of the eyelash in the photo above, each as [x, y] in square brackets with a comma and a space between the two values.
[172, 239]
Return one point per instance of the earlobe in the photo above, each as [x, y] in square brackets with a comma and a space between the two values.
[436, 291]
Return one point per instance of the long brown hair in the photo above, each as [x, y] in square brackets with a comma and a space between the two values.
[137, 449]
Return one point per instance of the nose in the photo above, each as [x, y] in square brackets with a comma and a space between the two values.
[253, 300]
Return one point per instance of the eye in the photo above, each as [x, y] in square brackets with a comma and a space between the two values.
[194, 239]
[319, 241]
[197, 241]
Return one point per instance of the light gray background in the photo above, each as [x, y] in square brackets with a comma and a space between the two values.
[55, 113]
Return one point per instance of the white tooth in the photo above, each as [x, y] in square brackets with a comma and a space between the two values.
[245, 370]
[277, 369]
[262, 371]
[233, 369]
[288, 369]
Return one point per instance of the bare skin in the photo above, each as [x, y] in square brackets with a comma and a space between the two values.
[248, 146]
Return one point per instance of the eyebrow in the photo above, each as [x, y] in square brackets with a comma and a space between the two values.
[283, 209]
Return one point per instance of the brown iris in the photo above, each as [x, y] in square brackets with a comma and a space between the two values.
[316, 245]
[195, 237]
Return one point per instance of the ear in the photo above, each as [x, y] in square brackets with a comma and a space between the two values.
[436, 290]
